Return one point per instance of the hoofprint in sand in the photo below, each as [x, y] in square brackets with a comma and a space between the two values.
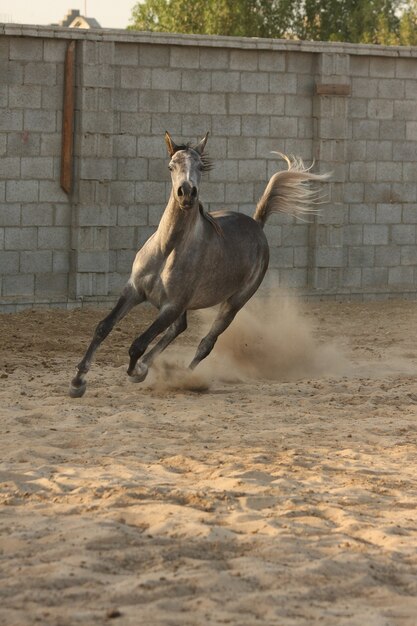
[276, 485]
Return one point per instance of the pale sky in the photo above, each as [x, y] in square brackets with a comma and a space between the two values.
[109, 13]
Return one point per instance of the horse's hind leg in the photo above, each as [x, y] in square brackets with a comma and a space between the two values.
[126, 302]
[224, 318]
[178, 327]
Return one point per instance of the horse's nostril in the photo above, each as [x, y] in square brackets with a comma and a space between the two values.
[194, 192]
[180, 192]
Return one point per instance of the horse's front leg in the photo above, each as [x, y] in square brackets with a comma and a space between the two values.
[169, 317]
[127, 301]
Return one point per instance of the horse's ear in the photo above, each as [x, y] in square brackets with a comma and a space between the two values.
[171, 145]
[200, 146]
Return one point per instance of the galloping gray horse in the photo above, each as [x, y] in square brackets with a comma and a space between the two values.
[197, 259]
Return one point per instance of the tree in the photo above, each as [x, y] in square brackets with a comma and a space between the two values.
[358, 21]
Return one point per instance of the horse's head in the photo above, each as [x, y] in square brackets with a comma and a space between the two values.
[186, 165]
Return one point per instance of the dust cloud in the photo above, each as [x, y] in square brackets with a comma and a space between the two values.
[270, 339]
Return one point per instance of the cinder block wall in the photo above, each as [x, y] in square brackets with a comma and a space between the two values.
[351, 109]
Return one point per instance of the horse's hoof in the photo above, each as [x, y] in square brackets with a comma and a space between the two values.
[77, 390]
[139, 373]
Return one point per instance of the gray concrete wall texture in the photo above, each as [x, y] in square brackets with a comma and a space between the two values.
[350, 108]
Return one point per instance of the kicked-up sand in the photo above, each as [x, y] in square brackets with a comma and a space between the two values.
[276, 485]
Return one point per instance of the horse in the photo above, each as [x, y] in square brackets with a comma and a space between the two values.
[197, 259]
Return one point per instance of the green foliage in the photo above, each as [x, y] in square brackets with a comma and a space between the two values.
[389, 22]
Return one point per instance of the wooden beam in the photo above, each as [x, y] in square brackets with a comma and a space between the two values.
[67, 145]
[332, 89]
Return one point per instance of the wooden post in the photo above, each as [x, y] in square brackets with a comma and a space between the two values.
[67, 145]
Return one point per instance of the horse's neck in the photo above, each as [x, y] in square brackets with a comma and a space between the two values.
[175, 225]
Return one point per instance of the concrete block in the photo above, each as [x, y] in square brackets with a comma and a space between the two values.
[135, 123]
[24, 96]
[252, 170]
[405, 68]
[126, 99]
[353, 235]
[401, 276]
[10, 214]
[52, 97]
[225, 81]
[410, 131]
[96, 169]
[405, 110]
[154, 101]
[410, 89]
[158, 170]
[122, 192]
[239, 192]
[212, 193]
[241, 148]
[403, 234]
[387, 256]
[246, 60]
[152, 147]
[196, 126]
[362, 214]
[53, 238]
[9, 262]
[285, 84]
[132, 169]
[224, 171]
[196, 81]
[37, 214]
[185, 57]
[25, 49]
[54, 50]
[270, 104]
[155, 213]
[301, 106]
[294, 278]
[36, 74]
[22, 191]
[10, 167]
[124, 145]
[374, 277]
[94, 238]
[18, 285]
[409, 255]
[379, 151]
[20, 238]
[404, 151]
[380, 109]
[154, 55]
[390, 172]
[214, 58]
[61, 261]
[37, 167]
[392, 129]
[255, 126]
[124, 261]
[150, 192]
[362, 172]
[239, 104]
[365, 129]
[226, 125]
[378, 192]
[388, 213]
[330, 256]
[254, 82]
[213, 103]
[375, 234]
[39, 120]
[11, 120]
[126, 53]
[103, 76]
[295, 234]
[36, 261]
[165, 79]
[184, 103]
[281, 257]
[51, 284]
[358, 108]
[404, 192]
[364, 87]
[97, 122]
[410, 214]
[271, 61]
[50, 144]
[284, 127]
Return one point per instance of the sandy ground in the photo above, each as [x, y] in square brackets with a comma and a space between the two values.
[277, 486]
